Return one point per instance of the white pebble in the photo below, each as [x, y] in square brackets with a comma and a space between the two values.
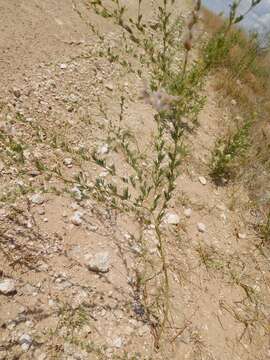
[118, 342]
[68, 162]
[103, 149]
[77, 218]
[202, 180]
[242, 236]
[187, 212]
[201, 227]
[172, 219]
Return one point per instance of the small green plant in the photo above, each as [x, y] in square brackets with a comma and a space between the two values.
[217, 50]
[227, 151]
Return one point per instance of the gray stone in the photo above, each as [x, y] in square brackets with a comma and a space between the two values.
[37, 199]
[77, 194]
[77, 218]
[99, 263]
[7, 287]
[25, 341]
[73, 98]
[117, 342]
[172, 219]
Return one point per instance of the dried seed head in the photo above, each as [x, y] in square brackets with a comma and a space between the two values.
[160, 100]
[198, 5]
[188, 41]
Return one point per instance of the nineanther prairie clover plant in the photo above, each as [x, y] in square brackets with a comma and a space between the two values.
[174, 91]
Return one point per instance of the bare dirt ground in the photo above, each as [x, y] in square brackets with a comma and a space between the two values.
[60, 87]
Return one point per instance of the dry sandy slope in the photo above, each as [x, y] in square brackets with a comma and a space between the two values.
[219, 283]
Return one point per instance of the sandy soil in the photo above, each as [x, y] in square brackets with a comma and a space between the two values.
[55, 75]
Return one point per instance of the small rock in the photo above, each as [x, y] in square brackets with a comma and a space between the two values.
[100, 262]
[127, 236]
[25, 342]
[77, 218]
[73, 98]
[63, 66]
[68, 162]
[51, 303]
[172, 219]
[103, 174]
[117, 342]
[41, 211]
[7, 287]
[136, 249]
[37, 199]
[202, 180]
[104, 149]
[16, 92]
[109, 86]
[241, 236]
[33, 173]
[201, 227]
[187, 212]
[39, 355]
[77, 194]
[92, 228]
[233, 102]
